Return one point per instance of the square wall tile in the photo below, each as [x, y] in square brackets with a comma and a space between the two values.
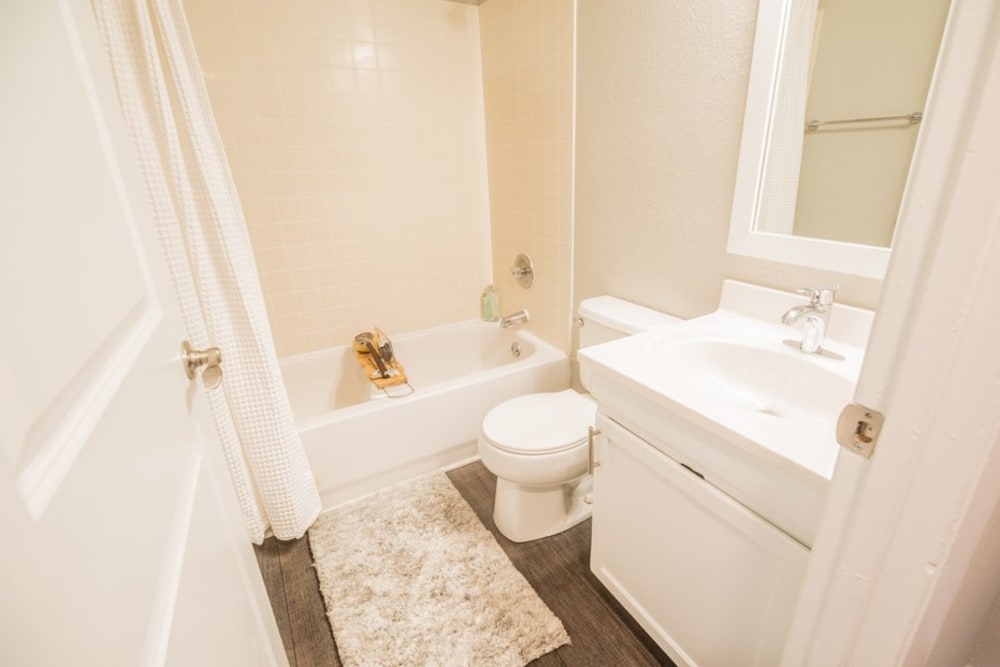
[356, 135]
[527, 56]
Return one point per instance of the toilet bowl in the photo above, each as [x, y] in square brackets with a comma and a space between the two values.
[536, 444]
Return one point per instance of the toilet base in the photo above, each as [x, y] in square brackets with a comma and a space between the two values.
[524, 513]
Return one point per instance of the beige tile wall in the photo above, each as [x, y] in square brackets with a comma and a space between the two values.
[354, 129]
[527, 48]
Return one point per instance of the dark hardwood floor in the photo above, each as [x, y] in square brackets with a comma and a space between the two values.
[558, 567]
[298, 607]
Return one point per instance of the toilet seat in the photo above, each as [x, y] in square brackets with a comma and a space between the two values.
[536, 445]
[538, 424]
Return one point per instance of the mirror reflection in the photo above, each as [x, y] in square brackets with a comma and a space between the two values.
[851, 87]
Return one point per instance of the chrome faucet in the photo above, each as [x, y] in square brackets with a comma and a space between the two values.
[815, 315]
[520, 317]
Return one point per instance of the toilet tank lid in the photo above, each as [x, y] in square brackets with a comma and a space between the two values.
[623, 315]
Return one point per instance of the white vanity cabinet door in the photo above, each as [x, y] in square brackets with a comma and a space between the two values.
[713, 583]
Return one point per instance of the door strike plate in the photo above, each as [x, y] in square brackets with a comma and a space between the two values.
[858, 429]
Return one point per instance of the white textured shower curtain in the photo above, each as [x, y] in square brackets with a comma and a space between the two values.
[780, 189]
[200, 223]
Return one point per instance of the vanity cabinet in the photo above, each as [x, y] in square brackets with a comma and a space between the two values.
[713, 583]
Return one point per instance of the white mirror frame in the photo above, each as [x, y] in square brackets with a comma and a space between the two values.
[850, 258]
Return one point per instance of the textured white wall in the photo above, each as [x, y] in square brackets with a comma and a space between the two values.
[661, 90]
[986, 645]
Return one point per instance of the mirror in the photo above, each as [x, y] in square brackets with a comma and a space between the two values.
[835, 100]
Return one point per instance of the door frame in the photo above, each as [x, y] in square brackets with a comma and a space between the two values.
[899, 573]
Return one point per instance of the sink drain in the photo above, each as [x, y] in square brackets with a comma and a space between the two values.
[515, 349]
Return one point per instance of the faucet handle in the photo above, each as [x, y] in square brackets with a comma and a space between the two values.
[820, 295]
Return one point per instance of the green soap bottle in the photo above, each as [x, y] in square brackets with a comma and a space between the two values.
[489, 307]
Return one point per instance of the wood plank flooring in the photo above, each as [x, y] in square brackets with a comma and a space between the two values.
[558, 567]
[298, 607]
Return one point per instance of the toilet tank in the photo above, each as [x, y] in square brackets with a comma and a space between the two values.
[607, 318]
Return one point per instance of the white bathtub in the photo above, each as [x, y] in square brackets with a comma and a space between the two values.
[359, 441]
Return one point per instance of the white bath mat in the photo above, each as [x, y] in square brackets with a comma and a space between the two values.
[411, 577]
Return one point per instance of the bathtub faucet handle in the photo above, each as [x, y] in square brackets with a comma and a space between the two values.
[520, 317]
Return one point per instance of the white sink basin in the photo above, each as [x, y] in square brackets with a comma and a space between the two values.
[745, 380]
[730, 395]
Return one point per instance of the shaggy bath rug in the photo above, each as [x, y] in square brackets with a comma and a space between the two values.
[411, 577]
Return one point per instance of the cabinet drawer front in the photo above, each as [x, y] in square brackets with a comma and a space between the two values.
[711, 581]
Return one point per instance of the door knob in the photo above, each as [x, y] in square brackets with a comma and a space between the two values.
[209, 360]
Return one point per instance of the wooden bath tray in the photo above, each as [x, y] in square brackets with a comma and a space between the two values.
[396, 376]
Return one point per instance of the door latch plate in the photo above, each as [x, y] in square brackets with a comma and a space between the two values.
[858, 428]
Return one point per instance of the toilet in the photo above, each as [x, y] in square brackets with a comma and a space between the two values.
[536, 444]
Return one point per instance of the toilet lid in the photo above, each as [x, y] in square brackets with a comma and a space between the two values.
[540, 423]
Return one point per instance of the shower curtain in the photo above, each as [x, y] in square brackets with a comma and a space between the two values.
[780, 188]
[203, 232]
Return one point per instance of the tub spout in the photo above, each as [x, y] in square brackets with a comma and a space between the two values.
[520, 317]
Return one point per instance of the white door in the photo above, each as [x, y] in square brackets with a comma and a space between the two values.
[122, 543]
[904, 568]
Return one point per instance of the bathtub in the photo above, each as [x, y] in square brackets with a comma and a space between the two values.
[359, 441]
